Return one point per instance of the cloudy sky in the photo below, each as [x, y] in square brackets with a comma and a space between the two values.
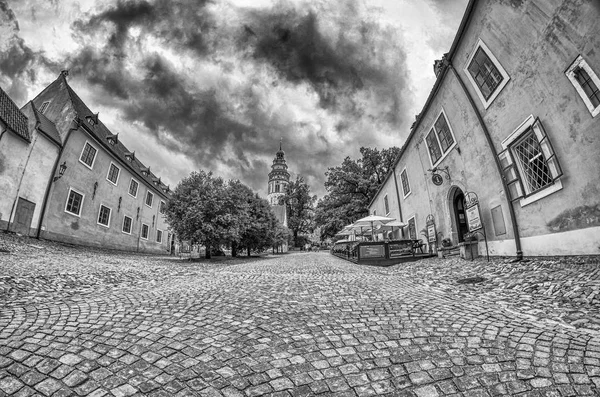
[214, 84]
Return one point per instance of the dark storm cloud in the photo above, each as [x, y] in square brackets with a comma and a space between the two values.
[360, 57]
[16, 58]
[353, 65]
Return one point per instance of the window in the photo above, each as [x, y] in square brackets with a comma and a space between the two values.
[127, 222]
[44, 107]
[404, 181]
[88, 155]
[412, 228]
[74, 202]
[530, 166]
[386, 204]
[145, 231]
[113, 174]
[277, 188]
[149, 198]
[133, 187]
[440, 139]
[104, 216]
[159, 236]
[486, 74]
[587, 84]
[163, 207]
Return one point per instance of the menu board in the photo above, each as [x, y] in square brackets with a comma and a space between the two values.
[372, 251]
[431, 233]
[400, 249]
[473, 218]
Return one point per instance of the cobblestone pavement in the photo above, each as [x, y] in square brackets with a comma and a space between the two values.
[76, 321]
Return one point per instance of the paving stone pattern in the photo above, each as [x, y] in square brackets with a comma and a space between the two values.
[78, 321]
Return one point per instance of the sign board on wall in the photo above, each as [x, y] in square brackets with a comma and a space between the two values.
[372, 251]
[431, 233]
[400, 249]
[473, 217]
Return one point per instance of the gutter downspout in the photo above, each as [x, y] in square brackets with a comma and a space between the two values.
[75, 126]
[398, 197]
[511, 208]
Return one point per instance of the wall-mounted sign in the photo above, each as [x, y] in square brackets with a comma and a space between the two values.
[473, 217]
[372, 251]
[431, 233]
[437, 179]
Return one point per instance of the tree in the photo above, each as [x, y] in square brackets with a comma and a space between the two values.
[350, 188]
[201, 210]
[261, 232]
[300, 207]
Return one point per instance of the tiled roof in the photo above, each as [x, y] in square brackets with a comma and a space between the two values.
[10, 115]
[103, 134]
[47, 126]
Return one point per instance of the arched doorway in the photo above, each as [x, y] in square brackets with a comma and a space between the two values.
[460, 219]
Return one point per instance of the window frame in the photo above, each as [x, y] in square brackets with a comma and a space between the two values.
[159, 232]
[162, 206]
[405, 172]
[130, 225]
[386, 204]
[506, 78]
[142, 231]
[44, 107]
[146, 199]
[513, 173]
[109, 215]
[118, 173]
[80, 205]
[137, 189]
[87, 142]
[433, 129]
[570, 73]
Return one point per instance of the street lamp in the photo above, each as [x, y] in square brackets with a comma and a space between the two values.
[61, 171]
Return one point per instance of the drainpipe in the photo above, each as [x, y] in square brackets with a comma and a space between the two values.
[398, 197]
[75, 126]
[488, 137]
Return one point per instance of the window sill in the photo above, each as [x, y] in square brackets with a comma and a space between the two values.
[72, 213]
[541, 194]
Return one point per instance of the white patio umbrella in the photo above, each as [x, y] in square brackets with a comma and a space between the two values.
[373, 220]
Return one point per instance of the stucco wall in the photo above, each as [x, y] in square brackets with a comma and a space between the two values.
[25, 171]
[84, 229]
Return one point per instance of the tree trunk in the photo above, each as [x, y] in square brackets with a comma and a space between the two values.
[248, 251]
[233, 249]
[207, 255]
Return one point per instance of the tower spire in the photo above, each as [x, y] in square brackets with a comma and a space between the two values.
[280, 140]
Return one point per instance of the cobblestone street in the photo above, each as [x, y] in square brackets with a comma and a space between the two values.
[76, 321]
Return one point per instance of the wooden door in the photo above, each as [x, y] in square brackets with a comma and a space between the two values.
[23, 216]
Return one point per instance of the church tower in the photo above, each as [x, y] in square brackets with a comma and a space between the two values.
[279, 179]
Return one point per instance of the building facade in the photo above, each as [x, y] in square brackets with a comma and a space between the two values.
[94, 191]
[506, 142]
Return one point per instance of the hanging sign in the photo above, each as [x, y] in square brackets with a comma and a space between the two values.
[473, 217]
[437, 179]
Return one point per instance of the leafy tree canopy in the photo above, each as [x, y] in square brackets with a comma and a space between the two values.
[300, 207]
[350, 188]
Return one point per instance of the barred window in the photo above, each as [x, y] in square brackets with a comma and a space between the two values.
[74, 202]
[88, 155]
[405, 184]
[159, 236]
[127, 222]
[529, 163]
[586, 82]
[104, 215]
[113, 174]
[133, 187]
[145, 229]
